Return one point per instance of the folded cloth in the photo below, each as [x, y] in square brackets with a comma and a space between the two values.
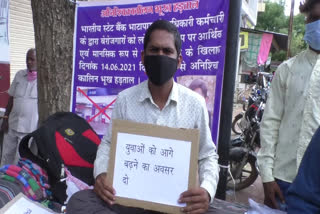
[74, 185]
[29, 185]
[33, 179]
[8, 190]
[37, 173]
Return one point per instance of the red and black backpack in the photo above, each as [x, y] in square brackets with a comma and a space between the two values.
[63, 140]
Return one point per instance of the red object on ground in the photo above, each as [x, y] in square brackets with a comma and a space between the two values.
[4, 84]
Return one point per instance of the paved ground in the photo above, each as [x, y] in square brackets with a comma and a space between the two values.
[255, 191]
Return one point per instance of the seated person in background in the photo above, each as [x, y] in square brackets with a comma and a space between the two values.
[160, 101]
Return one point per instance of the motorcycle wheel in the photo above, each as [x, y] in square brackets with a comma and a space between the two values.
[235, 124]
[249, 174]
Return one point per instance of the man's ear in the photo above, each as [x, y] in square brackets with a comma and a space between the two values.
[179, 61]
[142, 57]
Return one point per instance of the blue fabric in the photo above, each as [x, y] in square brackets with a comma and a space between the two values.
[304, 193]
[284, 187]
[312, 35]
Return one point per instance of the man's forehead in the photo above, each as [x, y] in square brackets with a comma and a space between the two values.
[31, 53]
[161, 38]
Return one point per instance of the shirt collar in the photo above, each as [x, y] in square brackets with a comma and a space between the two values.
[25, 73]
[312, 57]
[145, 93]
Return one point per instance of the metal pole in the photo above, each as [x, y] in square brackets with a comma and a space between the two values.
[231, 63]
[290, 29]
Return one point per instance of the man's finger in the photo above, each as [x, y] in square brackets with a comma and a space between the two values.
[103, 184]
[104, 191]
[274, 202]
[193, 199]
[192, 207]
[190, 192]
[267, 202]
[104, 196]
[108, 194]
[106, 199]
[109, 188]
[280, 195]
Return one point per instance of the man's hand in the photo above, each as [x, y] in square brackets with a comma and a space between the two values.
[4, 125]
[197, 200]
[271, 191]
[103, 189]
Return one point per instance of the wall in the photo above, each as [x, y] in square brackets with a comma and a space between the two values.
[249, 13]
[21, 34]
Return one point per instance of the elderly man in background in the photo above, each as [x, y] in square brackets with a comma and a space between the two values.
[21, 115]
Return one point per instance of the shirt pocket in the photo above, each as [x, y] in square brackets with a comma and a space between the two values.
[20, 90]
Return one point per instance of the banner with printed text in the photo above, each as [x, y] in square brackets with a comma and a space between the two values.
[108, 42]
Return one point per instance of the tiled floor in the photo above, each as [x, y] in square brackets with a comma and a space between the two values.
[255, 192]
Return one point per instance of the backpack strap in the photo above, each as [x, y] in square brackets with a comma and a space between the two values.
[25, 151]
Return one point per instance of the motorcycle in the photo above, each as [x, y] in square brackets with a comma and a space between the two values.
[259, 94]
[248, 113]
[242, 153]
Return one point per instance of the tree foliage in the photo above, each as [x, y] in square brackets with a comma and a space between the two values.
[297, 43]
[273, 19]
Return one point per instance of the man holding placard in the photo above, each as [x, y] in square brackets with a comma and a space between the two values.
[159, 101]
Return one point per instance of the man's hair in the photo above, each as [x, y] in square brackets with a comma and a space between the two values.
[31, 50]
[199, 83]
[163, 25]
[307, 6]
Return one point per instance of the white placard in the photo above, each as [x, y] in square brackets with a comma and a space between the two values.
[22, 205]
[144, 165]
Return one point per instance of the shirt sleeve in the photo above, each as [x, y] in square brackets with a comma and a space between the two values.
[269, 129]
[208, 158]
[12, 89]
[101, 162]
[304, 193]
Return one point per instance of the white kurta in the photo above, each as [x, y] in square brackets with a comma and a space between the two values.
[24, 114]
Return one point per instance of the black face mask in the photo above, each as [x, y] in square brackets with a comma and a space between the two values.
[160, 68]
